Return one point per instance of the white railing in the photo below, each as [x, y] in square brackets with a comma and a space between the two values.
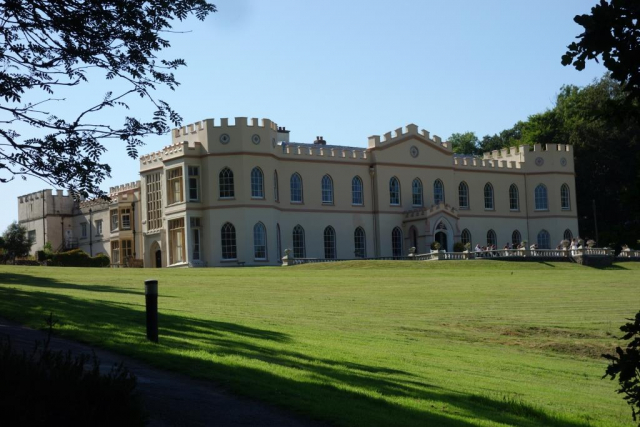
[630, 254]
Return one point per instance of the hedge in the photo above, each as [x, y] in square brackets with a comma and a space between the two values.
[78, 258]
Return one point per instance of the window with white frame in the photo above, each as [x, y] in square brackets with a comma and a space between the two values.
[225, 178]
[195, 224]
[174, 185]
[488, 197]
[514, 198]
[228, 240]
[299, 247]
[296, 188]
[98, 227]
[330, 243]
[438, 192]
[416, 193]
[394, 191]
[540, 198]
[565, 200]
[115, 252]
[257, 183]
[125, 215]
[327, 190]
[194, 183]
[259, 241]
[176, 241]
[154, 201]
[114, 219]
[357, 193]
[360, 243]
[463, 195]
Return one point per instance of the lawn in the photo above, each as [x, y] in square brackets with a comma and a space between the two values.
[365, 343]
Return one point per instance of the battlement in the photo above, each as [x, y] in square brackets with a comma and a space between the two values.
[375, 141]
[175, 149]
[224, 122]
[114, 191]
[516, 151]
[37, 195]
[487, 163]
[332, 152]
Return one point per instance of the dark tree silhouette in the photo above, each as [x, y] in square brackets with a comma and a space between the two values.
[15, 241]
[48, 45]
[612, 32]
[625, 365]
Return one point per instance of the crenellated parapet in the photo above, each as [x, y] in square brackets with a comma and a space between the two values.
[129, 186]
[176, 149]
[238, 122]
[399, 134]
[330, 152]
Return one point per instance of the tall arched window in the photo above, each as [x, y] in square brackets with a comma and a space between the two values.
[278, 243]
[463, 195]
[259, 241]
[488, 197]
[396, 241]
[514, 199]
[438, 192]
[226, 184]
[541, 201]
[296, 188]
[330, 243]
[257, 183]
[492, 239]
[357, 192]
[568, 235]
[565, 200]
[299, 248]
[465, 237]
[413, 235]
[394, 191]
[360, 243]
[327, 189]
[276, 190]
[516, 238]
[228, 240]
[416, 192]
[544, 240]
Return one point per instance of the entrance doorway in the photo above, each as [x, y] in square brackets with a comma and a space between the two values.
[158, 258]
[441, 237]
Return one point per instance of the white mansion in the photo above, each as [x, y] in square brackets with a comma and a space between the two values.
[223, 194]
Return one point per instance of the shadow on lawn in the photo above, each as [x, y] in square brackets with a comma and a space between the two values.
[325, 391]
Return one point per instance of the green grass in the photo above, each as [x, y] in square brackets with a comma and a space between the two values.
[372, 344]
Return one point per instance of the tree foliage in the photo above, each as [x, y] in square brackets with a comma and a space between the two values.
[15, 241]
[625, 365]
[464, 143]
[612, 32]
[47, 47]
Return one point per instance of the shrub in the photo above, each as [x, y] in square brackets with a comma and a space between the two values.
[435, 246]
[25, 262]
[459, 247]
[49, 387]
[78, 258]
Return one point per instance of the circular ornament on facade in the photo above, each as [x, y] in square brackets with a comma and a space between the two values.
[414, 151]
[563, 161]
[273, 142]
[224, 138]
[539, 161]
[255, 139]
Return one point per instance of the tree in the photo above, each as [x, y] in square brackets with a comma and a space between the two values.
[625, 365]
[612, 32]
[48, 47]
[464, 143]
[15, 241]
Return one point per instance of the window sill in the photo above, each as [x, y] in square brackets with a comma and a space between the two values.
[257, 198]
[260, 260]
[463, 208]
[489, 210]
[229, 260]
[226, 198]
[174, 203]
[514, 210]
[327, 204]
[297, 203]
[541, 210]
[566, 209]
[417, 206]
[394, 206]
[194, 200]
[359, 205]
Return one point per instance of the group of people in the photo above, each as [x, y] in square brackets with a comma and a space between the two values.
[490, 250]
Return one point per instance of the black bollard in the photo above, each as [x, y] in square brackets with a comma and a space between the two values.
[151, 297]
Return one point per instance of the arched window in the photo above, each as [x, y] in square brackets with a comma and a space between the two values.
[357, 193]
[541, 201]
[296, 188]
[514, 199]
[413, 235]
[330, 243]
[226, 184]
[568, 235]
[438, 192]
[396, 241]
[394, 191]
[488, 196]
[327, 189]
[257, 183]
[360, 243]
[259, 241]
[491, 238]
[465, 237]
[416, 192]
[228, 239]
[463, 195]
[544, 240]
[565, 200]
[516, 238]
[278, 243]
[276, 191]
[299, 249]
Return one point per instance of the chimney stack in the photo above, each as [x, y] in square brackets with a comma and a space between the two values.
[320, 141]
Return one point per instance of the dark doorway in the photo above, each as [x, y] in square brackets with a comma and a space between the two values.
[158, 258]
[441, 237]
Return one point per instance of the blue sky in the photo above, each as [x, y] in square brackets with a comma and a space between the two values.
[350, 69]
